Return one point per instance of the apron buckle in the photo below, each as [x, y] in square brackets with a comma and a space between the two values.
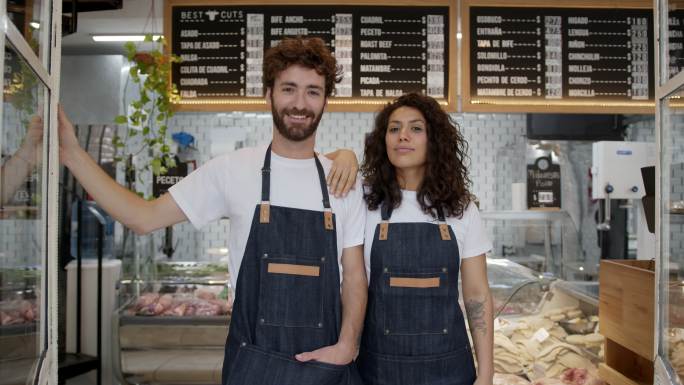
[265, 212]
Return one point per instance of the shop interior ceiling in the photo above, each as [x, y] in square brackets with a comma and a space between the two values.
[135, 17]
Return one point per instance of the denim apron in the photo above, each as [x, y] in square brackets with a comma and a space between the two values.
[287, 298]
[414, 331]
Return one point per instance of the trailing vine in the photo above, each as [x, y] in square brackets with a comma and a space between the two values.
[151, 111]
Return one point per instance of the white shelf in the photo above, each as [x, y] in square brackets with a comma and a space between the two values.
[537, 215]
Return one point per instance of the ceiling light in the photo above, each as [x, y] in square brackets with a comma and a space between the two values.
[459, 35]
[34, 24]
[109, 38]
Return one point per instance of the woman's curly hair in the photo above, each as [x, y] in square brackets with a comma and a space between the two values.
[446, 182]
[307, 52]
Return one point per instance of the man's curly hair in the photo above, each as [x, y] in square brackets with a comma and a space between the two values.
[446, 182]
[306, 52]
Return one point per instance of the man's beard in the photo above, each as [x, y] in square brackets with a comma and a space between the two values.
[295, 133]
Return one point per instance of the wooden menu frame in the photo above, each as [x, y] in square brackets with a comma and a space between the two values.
[544, 106]
[334, 104]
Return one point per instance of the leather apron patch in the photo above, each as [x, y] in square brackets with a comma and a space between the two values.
[384, 228]
[419, 283]
[286, 268]
[264, 213]
[328, 219]
[444, 232]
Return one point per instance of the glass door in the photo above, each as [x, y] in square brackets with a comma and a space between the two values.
[669, 333]
[28, 190]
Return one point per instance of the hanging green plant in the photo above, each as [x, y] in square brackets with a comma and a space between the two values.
[151, 111]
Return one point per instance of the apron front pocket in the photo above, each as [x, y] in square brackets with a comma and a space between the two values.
[414, 301]
[291, 291]
[453, 368]
[254, 365]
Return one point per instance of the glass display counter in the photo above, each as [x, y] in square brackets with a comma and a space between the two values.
[173, 330]
[546, 329]
[544, 241]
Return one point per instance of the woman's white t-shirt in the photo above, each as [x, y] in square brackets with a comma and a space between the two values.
[470, 234]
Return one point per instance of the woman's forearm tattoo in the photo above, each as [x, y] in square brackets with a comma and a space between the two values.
[475, 310]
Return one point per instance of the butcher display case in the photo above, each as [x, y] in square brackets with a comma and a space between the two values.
[516, 289]
[172, 330]
[544, 241]
[546, 329]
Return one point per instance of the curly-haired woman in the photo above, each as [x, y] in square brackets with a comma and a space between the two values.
[421, 228]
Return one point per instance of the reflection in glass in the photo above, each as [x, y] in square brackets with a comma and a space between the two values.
[27, 15]
[21, 207]
[672, 239]
[675, 38]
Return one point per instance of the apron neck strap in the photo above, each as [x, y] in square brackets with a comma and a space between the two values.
[266, 179]
[440, 214]
[266, 176]
[324, 185]
[386, 211]
[443, 226]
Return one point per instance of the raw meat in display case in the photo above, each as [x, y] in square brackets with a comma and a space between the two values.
[16, 312]
[200, 303]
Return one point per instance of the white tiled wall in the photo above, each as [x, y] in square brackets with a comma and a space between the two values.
[496, 150]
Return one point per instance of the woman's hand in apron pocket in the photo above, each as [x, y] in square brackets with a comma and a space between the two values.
[338, 354]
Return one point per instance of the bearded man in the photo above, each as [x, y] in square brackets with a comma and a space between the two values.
[291, 243]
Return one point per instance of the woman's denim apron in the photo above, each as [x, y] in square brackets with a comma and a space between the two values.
[287, 299]
[414, 332]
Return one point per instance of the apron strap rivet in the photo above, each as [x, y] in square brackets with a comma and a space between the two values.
[322, 259]
[262, 320]
[386, 331]
[385, 270]
[242, 344]
[445, 331]
[320, 324]
[444, 269]
[265, 255]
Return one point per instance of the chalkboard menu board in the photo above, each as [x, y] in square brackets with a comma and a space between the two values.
[385, 51]
[560, 59]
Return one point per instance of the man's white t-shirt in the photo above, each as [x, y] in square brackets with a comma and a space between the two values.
[470, 234]
[230, 186]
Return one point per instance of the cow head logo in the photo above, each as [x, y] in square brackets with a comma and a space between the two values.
[212, 14]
